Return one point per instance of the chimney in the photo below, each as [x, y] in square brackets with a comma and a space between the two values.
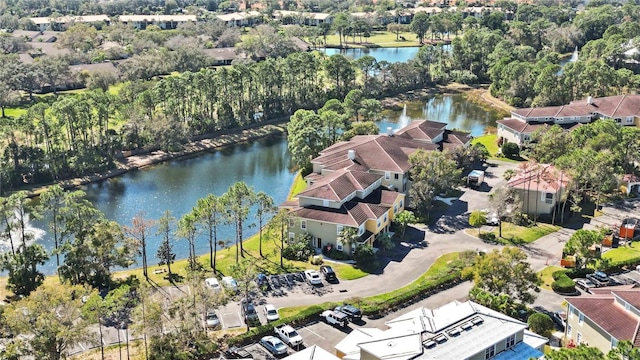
[351, 154]
[589, 100]
[389, 131]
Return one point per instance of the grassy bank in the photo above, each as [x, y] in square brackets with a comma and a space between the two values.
[379, 38]
[623, 253]
[518, 235]
[298, 185]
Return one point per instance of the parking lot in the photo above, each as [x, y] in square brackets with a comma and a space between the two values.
[316, 333]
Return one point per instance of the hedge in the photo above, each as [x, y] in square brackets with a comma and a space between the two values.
[563, 283]
[577, 273]
[619, 265]
[369, 308]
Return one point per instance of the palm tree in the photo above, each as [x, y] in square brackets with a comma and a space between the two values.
[349, 237]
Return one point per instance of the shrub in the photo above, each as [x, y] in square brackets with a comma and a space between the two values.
[364, 256]
[563, 284]
[578, 273]
[331, 252]
[559, 274]
[510, 150]
[299, 249]
[540, 324]
[488, 237]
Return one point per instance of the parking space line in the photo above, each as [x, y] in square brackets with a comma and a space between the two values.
[314, 333]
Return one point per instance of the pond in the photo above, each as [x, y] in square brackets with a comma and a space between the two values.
[177, 185]
[455, 110]
[264, 164]
[392, 55]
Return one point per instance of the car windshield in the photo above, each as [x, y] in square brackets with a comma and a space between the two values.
[293, 334]
[279, 345]
[211, 317]
[250, 309]
[272, 312]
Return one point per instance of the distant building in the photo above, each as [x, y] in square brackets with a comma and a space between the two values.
[287, 17]
[457, 330]
[164, 22]
[238, 19]
[623, 109]
[59, 23]
[606, 317]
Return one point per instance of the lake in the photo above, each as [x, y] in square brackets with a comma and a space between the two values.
[264, 164]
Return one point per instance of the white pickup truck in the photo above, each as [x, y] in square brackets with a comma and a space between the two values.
[335, 318]
[289, 335]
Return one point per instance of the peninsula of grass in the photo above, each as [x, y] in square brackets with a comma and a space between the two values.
[517, 235]
[378, 39]
[299, 184]
[546, 276]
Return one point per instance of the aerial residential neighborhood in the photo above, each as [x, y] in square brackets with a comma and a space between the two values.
[319, 179]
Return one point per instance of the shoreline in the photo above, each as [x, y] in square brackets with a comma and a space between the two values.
[145, 159]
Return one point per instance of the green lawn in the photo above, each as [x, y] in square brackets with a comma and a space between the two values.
[518, 235]
[546, 275]
[490, 141]
[623, 253]
[299, 184]
[380, 38]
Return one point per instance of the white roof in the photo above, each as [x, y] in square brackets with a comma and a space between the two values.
[349, 345]
[434, 320]
[312, 353]
[402, 347]
[68, 19]
[159, 18]
[318, 16]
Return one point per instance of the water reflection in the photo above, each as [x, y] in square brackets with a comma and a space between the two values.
[455, 110]
[177, 185]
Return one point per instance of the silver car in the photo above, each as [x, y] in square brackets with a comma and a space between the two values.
[212, 320]
[274, 345]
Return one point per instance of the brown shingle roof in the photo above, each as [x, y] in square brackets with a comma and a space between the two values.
[630, 296]
[103, 67]
[351, 214]
[457, 137]
[541, 177]
[46, 48]
[422, 130]
[611, 106]
[339, 185]
[373, 152]
[221, 54]
[607, 315]
[521, 126]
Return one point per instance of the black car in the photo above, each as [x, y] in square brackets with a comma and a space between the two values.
[328, 273]
[237, 353]
[352, 312]
[249, 313]
[263, 282]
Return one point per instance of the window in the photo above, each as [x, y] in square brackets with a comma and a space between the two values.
[614, 342]
[361, 230]
[339, 246]
[325, 203]
[385, 218]
[395, 209]
[490, 352]
[580, 318]
[401, 203]
[340, 227]
[569, 331]
[292, 235]
[579, 338]
[396, 176]
[303, 224]
[548, 198]
[379, 223]
[387, 175]
[511, 340]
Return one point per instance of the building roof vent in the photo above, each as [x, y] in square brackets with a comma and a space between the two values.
[351, 154]
[389, 131]
[590, 100]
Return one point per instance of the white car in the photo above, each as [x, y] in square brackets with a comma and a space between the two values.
[271, 313]
[313, 277]
[213, 284]
[230, 283]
